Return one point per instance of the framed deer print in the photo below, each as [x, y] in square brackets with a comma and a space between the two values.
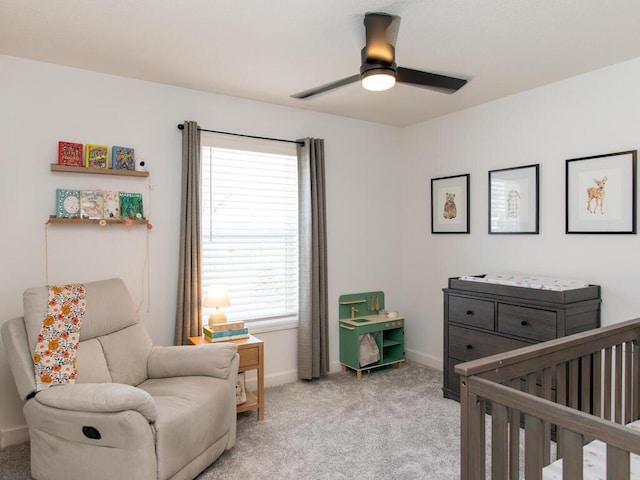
[513, 200]
[450, 204]
[601, 193]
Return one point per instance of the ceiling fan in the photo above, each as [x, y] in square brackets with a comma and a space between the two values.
[379, 70]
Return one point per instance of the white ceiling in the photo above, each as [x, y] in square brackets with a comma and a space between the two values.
[267, 50]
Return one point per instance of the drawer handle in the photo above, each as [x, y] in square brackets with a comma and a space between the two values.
[469, 347]
[524, 323]
[469, 312]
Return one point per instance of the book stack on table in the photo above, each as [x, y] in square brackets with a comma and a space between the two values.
[222, 332]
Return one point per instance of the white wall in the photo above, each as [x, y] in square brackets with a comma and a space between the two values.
[588, 115]
[41, 104]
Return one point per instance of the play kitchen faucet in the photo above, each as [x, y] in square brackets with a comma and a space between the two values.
[353, 312]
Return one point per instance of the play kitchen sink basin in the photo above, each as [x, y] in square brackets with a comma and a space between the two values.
[360, 320]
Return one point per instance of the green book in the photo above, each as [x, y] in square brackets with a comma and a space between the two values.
[131, 206]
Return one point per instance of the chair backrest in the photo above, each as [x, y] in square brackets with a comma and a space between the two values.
[114, 346]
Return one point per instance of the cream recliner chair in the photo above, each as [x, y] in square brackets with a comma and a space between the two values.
[136, 411]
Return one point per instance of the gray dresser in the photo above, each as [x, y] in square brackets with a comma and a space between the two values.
[482, 319]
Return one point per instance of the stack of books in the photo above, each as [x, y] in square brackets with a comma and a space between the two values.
[222, 332]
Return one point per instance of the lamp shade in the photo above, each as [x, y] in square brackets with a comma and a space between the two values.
[217, 296]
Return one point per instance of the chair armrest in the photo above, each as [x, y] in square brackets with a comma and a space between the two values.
[99, 398]
[16, 344]
[182, 361]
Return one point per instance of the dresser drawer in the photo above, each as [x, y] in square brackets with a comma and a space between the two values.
[466, 344]
[532, 323]
[469, 311]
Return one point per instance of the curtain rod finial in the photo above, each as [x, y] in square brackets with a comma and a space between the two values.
[180, 126]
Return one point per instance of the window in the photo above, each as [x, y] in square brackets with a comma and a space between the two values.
[250, 225]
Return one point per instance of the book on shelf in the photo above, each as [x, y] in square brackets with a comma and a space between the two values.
[70, 154]
[91, 204]
[220, 327]
[96, 156]
[122, 158]
[131, 206]
[111, 204]
[207, 332]
[227, 338]
[67, 203]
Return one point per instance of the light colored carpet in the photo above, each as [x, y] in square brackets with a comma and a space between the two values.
[388, 425]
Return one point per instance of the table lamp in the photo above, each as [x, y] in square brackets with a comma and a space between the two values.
[216, 297]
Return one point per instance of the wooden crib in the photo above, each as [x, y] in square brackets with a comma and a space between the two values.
[547, 401]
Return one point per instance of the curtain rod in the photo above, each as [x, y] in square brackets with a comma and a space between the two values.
[181, 127]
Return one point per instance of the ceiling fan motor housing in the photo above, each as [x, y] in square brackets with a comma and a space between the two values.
[375, 66]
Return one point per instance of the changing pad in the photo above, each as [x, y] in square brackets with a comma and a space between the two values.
[594, 461]
[529, 281]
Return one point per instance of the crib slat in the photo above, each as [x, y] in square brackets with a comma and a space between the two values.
[607, 382]
[533, 460]
[627, 382]
[514, 437]
[636, 381]
[561, 399]
[574, 375]
[597, 384]
[618, 385]
[499, 442]
[533, 457]
[585, 383]
[547, 392]
[572, 458]
[617, 464]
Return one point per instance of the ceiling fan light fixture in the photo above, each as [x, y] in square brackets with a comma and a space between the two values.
[378, 79]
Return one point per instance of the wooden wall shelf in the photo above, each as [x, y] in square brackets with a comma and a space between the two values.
[54, 219]
[100, 171]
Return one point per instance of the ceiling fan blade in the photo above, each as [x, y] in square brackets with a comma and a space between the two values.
[381, 31]
[326, 87]
[432, 81]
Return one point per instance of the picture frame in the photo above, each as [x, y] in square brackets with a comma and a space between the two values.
[600, 193]
[450, 204]
[514, 200]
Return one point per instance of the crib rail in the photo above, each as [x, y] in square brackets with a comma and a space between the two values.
[571, 390]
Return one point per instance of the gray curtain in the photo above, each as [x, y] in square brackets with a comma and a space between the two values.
[313, 341]
[189, 307]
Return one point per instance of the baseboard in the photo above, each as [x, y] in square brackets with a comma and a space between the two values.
[422, 359]
[280, 378]
[13, 436]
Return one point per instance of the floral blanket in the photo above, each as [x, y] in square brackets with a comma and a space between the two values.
[54, 359]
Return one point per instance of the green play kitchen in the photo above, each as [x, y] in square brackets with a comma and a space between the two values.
[370, 336]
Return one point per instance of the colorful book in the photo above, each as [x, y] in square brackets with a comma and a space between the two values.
[122, 158]
[67, 203]
[227, 338]
[220, 327]
[111, 204]
[225, 333]
[96, 156]
[131, 206]
[91, 204]
[70, 154]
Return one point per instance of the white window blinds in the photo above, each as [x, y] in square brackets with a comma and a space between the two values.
[250, 226]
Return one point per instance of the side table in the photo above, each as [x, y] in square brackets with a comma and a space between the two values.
[251, 351]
